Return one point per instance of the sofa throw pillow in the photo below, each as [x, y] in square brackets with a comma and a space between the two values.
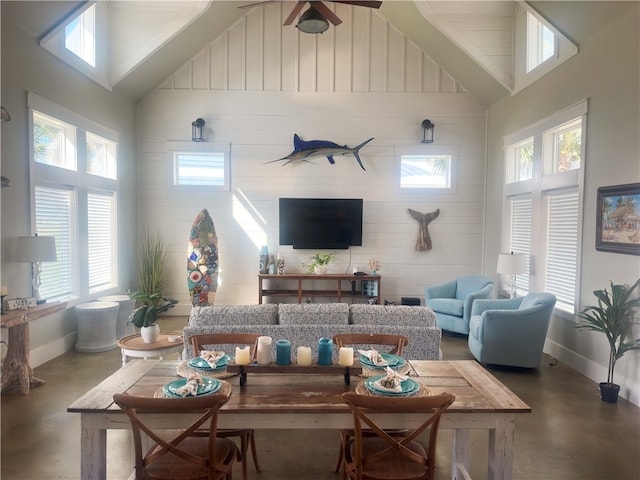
[266, 314]
[313, 314]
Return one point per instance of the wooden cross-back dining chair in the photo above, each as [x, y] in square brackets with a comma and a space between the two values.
[188, 455]
[246, 435]
[395, 345]
[379, 455]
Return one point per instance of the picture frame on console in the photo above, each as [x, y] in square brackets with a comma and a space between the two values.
[618, 219]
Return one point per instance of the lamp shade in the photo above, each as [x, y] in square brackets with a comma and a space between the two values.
[36, 249]
[312, 21]
[512, 263]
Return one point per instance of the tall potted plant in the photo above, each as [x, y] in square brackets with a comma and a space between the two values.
[614, 316]
[151, 275]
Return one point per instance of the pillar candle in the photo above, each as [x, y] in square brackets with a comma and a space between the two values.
[264, 350]
[283, 352]
[243, 355]
[345, 357]
[325, 351]
[304, 356]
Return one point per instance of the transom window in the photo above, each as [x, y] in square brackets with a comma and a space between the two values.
[519, 165]
[54, 142]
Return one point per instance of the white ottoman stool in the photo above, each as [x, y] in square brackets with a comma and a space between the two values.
[96, 326]
[127, 304]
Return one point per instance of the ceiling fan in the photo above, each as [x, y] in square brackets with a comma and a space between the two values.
[316, 19]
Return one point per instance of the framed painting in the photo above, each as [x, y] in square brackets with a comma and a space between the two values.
[618, 219]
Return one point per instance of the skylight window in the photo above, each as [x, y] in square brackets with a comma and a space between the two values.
[80, 36]
[541, 42]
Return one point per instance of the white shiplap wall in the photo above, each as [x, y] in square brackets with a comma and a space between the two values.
[260, 83]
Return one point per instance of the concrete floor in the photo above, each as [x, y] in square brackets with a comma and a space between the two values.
[571, 433]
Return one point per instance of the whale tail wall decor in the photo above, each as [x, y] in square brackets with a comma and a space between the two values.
[303, 151]
[424, 219]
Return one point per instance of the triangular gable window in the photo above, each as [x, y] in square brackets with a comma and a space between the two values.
[541, 42]
[80, 36]
[80, 40]
[539, 47]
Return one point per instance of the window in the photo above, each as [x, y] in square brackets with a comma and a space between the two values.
[541, 42]
[520, 161]
[74, 190]
[203, 165]
[80, 36]
[538, 47]
[422, 169]
[101, 156]
[425, 171]
[564, 143]
[55, 209]
[542, 216]
[54, 142]
[520, 235]
[199, 169]
[562, 246]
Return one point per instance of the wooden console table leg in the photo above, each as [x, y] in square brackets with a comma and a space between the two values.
[16, 363]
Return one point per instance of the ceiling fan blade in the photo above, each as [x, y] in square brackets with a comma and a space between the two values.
[294, 13]
[359, 3]
[326, 12]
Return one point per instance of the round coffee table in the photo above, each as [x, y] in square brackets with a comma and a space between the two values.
[133, 346]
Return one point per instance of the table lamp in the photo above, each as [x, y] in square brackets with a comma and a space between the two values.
[35, 250]
[512, 264]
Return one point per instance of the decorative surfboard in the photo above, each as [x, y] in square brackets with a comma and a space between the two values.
[202, 261]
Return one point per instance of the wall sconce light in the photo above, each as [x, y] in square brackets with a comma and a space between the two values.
[4, 115]
[512, 264]
[312, 21]
[35, 250]
[197, 130]
[427, 131]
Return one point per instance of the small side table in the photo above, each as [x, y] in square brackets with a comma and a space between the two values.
[127, 304]
[96, 326]
[133, 346]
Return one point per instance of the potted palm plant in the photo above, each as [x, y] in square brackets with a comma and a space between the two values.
[151, 302]
[614, 316]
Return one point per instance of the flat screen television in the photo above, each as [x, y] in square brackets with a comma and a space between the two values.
[321, 223]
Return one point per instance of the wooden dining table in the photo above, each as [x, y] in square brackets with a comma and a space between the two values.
[290, 401]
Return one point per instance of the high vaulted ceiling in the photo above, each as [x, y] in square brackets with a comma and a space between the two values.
[472, 40]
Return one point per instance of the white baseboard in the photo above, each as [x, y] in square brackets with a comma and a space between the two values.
[47, 352]
[592, 370]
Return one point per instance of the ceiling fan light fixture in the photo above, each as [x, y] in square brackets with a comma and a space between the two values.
[312, 21]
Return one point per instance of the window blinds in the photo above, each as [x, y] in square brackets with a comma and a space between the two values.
[562, 247]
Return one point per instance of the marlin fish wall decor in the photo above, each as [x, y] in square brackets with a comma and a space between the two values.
[303, 151]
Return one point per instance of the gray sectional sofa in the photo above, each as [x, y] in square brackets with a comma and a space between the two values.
[304, 324]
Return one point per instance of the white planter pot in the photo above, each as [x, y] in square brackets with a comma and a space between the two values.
[150, 334]
[320, 269]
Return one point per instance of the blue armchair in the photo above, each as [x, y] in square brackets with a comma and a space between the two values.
[511, 331]
[451, 301]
